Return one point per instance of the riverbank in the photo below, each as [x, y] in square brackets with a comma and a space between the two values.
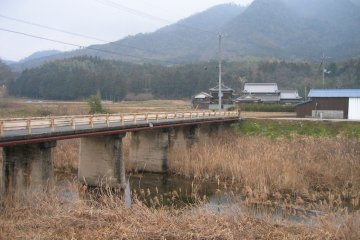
[47, 217]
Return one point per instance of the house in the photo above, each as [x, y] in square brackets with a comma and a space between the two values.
[227, 94]
[290, 97]
[331, 104]
[201, 101]
[260, 92]
[205, 100]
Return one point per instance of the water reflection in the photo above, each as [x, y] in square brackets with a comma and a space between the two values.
[157, 190]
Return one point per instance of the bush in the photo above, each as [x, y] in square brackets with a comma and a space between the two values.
[95, 105]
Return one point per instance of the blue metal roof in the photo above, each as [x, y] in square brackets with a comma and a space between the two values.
[334, 93]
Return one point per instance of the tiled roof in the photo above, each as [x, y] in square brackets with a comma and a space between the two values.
[289, 94]
[261, 88]
[202, 95]
[223, 88]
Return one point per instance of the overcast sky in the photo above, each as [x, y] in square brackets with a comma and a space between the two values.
[109, 20]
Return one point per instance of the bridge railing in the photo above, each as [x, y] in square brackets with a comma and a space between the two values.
[57, 122]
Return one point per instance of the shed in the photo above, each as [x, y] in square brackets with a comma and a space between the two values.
[331, 104]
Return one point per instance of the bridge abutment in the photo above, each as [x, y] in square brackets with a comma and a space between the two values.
[27, 167]
[101, 161]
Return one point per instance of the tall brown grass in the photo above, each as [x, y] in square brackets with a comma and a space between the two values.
[48, 217]
[66, 155]
[300, 165]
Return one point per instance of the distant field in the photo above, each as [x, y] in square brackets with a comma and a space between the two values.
[11, 107]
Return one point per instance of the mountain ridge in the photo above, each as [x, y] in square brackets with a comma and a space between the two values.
[284, 29]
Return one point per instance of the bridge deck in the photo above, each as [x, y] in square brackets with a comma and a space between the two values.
[22, 131]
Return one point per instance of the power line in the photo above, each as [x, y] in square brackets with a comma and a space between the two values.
[80, 46]
[149, 16]
[72, 33]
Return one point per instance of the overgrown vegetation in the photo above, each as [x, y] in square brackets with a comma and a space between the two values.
[108, 218]
[302, 171]
[273, 128]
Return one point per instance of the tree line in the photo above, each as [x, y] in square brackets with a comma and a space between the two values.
[80, 77]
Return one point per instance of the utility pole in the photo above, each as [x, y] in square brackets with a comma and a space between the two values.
[323, 61]
[220, 92]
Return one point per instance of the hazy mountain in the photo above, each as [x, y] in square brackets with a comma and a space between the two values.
[185, 40]
[297, 29]
[35, 59]
[288, 29]
[41, 54]
[7, 62]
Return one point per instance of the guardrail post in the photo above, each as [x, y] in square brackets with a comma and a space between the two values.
[73, 123]
[147, 117]
[157, 117]
[28, 125]
[122, 119]
[52, 124]
[91, 121]
[1, 128]
[107, 120]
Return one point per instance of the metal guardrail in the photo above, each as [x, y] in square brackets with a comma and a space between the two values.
[91, 120]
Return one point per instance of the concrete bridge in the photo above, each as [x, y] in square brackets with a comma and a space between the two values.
[27, 144]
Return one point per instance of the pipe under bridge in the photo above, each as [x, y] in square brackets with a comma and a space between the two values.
[28, 144]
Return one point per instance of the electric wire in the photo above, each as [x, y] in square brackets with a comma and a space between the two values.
[83, 47]
[149, 16]
[75, 34]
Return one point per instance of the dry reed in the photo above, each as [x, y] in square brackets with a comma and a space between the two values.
[66, 155]
[48, 217]
[302, 166]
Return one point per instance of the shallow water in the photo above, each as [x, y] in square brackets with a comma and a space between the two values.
[158, 190]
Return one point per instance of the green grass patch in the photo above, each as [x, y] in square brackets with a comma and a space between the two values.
[262, 107]
[285, 128]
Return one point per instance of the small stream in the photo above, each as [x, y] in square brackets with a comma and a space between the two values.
[157, 190]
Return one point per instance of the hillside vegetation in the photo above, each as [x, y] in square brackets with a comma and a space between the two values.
[286, 29]
[80, 77]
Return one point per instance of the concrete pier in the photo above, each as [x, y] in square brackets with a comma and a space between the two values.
[149, 151]
[27, 167]
[101, 161]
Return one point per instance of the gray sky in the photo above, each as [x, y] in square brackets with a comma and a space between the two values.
[98, 18]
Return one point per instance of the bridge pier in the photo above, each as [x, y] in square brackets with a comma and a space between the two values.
[101, 161]
[149, 151]
[27, 167]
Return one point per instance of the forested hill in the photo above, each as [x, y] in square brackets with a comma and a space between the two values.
[285, 29]
[81, 77]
